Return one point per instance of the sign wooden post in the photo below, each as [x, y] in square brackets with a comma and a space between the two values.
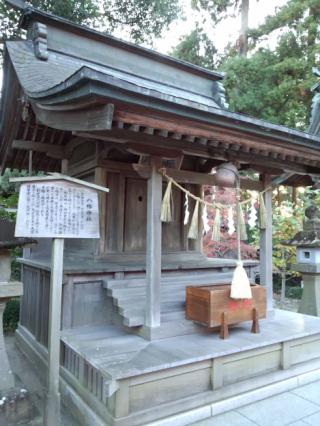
[53, 396]
[56, 207]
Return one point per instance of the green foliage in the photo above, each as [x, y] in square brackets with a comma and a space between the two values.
[286, 223]
[9, 194]
[275, 84]
[217, 9]
[272, 85]
[141, 20]
[80, 11]
[294, 292]
[15, 265]
[197, 48]
[11, 315]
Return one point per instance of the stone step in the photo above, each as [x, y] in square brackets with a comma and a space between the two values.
[173, 316]
[188, 280]
[141, 290]
[134, 321]
[136, 318]
[129, 295]
[177, 295]
[127, 310]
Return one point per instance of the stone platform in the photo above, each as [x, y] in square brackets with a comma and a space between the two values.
[111, 377]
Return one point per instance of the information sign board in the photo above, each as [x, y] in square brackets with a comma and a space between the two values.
[57, 209]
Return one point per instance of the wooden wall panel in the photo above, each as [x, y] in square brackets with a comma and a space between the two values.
[126, 217]
[89, 305]
[115, 212]
[172, 231]
[135, 217]
[35, 302]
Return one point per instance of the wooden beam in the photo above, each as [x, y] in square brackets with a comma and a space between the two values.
[58, 152]
[124, 136]
[159, 151]
[184, 176]
[71, 145]
[223, 135]
[280, 179]
[50, 149]
[153, 250]
[266, 247]
[98, 118]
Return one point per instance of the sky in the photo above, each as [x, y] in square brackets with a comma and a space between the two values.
[227, 31]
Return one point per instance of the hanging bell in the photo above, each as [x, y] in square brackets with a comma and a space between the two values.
[226, 175]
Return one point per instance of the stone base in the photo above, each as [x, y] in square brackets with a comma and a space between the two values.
[310, 302]
[111, 378]
[6, 375]
[5, 265]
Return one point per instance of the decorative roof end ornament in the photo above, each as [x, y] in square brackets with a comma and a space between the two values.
[39, 37]
[17, 4]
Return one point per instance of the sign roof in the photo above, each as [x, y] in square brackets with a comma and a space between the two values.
[59, 176]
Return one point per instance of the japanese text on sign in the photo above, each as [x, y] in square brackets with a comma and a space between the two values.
[57, 209]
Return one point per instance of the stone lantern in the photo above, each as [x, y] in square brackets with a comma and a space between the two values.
[307, 242]
[15, 404]
[8, 290]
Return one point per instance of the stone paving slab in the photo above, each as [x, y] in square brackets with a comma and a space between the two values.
[231, 418]
[313, 420]
[310, 392]
[279, 410]
[299, 407]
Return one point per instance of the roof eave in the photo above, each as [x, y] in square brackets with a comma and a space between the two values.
[187, 109]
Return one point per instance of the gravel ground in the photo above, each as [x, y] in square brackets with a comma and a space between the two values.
[26, 377]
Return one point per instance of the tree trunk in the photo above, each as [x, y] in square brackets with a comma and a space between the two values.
[294, 200]
[314, 15]
[243, 46]
[283, 287]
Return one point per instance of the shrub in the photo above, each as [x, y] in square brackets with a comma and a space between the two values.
[11, 315]
[294, 292]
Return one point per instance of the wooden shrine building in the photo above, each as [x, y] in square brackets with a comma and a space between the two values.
[110, 112]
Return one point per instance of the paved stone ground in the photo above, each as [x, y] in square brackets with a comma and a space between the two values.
[299, 407]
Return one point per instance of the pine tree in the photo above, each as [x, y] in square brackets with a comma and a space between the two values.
[218, 10]
[197, 48]
[275, 84]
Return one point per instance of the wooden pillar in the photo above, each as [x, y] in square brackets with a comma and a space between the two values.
[153, 249]
[100, 178]
[64, 166]
[266, 247]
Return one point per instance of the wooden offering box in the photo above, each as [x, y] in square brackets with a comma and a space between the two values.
[212, 307]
